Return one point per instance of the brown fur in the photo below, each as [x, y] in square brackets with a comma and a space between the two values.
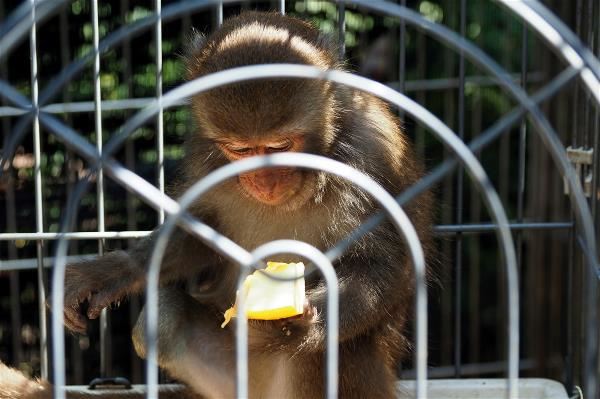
[13, 384]
[375, 276]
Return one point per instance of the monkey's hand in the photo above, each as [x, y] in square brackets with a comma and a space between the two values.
[98, 284]
[299, 325]
[288, 333]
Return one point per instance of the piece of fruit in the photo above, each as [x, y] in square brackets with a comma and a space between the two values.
[270, 299]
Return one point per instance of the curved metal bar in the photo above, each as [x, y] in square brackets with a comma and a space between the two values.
[13, 95]
[455, 144]
[443, 169]
[541, 126]
[562, 40]
[317, 258]
[141, 187]
[568, 46]
[548, 136]
[19, 23]
[241, 338]
[478, 57]
[571, 49]
[67, 74]
[58, 287]
[308, 161]
[418, 112]
[449, 37]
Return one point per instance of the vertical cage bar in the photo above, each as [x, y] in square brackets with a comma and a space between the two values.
[160, 141]
[220, 14]
[459, 202]
[591, 335]
[596, 22]
[104, 367]
[569, 334]
[587, 138]
[574, 134]
[447, 197]
[282, 7]
[596, 161]
[134, 302]
[11, 226]
[522, 149]
[342, 28]
[39, 210]
[522, 160]
[421, 94]
[474, 275]
[592, 361]
[402, 55]
[65, 57]
[596, 132]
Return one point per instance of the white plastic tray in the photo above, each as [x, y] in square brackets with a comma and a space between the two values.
[529, 388]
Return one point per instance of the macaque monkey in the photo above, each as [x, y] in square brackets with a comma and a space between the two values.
[376, 284]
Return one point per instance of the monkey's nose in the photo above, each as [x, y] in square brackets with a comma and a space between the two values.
[267, 183]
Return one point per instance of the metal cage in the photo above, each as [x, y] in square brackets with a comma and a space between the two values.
[36, 113]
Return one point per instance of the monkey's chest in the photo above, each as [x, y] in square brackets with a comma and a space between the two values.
[252, 231]
[271, 376]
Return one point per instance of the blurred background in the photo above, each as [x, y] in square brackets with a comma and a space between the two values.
[467, 310]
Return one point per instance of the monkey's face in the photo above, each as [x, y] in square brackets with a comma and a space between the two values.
[283, 187]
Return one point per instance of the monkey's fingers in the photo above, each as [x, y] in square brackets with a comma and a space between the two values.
[105, 299]
[74, 320]
[310, 313]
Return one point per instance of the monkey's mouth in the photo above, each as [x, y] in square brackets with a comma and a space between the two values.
[282, 194]
[272, 197]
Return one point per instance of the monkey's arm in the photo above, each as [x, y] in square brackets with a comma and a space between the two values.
[109, 278]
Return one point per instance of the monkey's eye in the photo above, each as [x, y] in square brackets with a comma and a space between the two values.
[279, 147]
[238, 150]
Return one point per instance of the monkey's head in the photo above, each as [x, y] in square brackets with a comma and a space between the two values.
[264, 116]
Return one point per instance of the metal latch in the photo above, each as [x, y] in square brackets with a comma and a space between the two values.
[110, 383]
[582, 161]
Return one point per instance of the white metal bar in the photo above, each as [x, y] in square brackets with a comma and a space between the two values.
[467, 228]
[220, 14]
[401, 222]
[342, 28]
[100, 176]
[160, 142]
[31, 263]
[98, 119]
[76, 235]
[39, 210]
[139, 103]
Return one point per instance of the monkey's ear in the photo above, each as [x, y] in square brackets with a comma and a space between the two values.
[194, 41]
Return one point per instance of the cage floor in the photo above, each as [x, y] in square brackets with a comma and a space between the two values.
[529, 388]
[489, 388]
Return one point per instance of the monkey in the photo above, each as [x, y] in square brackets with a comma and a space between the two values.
[276, 115]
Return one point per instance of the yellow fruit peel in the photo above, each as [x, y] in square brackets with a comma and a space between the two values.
[270, 299]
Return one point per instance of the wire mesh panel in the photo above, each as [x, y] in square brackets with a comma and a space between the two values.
[501, 98]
